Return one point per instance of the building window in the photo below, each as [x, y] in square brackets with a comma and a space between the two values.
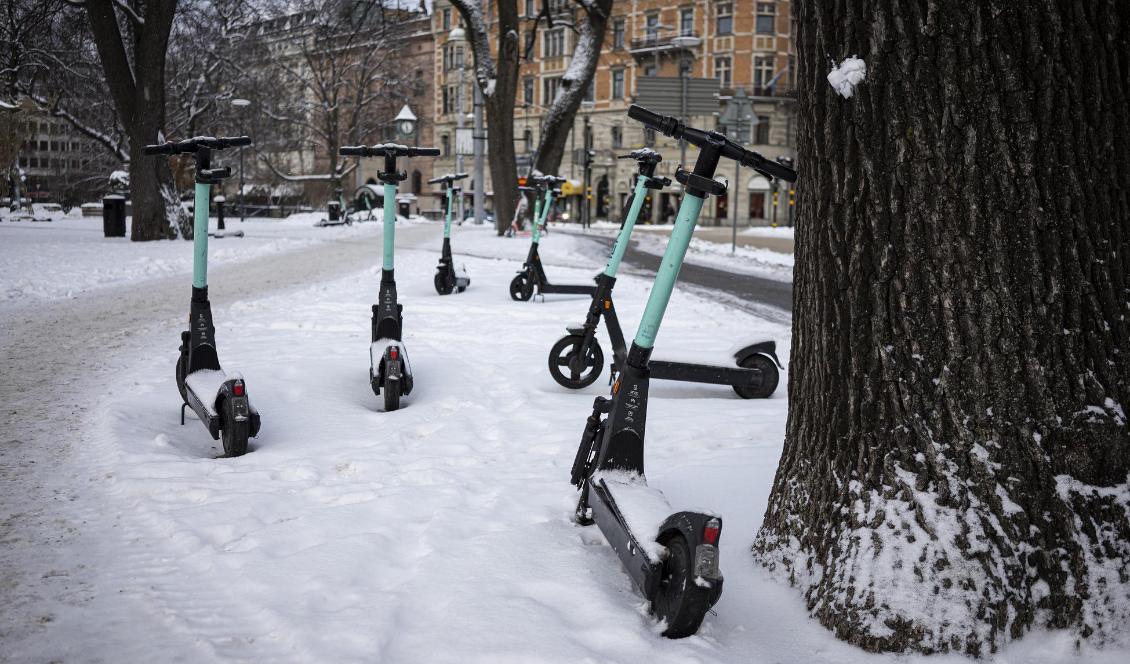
[766, 18]
[554, 43]
[549, 89]
[590, 91]
[724, 13]
[618, 33]
[530, 10]
[686, 21]
[528, 141]
[446, 19]
[762, 74]
[617, 136]
[652, 26]
[446, 99]
[649, 137]
[722, 71]
[649, 70]
[445, 144]
[617, 83]
[761, 130]
[528, 90]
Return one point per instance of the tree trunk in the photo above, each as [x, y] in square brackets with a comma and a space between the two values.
[498, 82]
[137, 85]
[558, 121]
[957, 453]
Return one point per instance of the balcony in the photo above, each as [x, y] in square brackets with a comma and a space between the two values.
[656, 44]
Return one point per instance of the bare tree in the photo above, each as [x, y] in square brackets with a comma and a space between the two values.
[957, 454]
[340, 85]
[497, 79]
[558, 120]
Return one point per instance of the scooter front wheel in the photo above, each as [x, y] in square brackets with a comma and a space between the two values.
[233, 433]
[391, 392]
[443, 286]
[770, 377]
[520, 288]
[679, 601]
[568, 368]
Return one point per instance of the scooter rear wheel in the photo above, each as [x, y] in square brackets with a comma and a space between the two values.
[443, 286]
[234, 434]
[520, 288]
[564, 352]
[679, 601]
[770, 377]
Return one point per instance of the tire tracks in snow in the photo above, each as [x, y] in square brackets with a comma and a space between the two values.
[55, 359]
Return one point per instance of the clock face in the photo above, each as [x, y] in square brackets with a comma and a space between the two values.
[405, 127]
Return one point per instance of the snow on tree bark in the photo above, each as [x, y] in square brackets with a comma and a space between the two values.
[955, 469]
[558, 120]
[498, 80]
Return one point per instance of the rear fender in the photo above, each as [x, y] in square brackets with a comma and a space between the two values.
[766, 348]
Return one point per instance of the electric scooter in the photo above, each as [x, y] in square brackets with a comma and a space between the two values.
[389, 368]
[448, 278]
[532, 277]
[343, 219]
[576, 359]
[673, 560]
[218, 398]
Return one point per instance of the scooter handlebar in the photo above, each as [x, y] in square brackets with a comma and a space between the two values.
[191, 145]
[669, 125]
[450, 177]
[387, 150]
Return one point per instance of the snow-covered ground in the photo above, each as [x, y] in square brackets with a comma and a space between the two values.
[437, 533]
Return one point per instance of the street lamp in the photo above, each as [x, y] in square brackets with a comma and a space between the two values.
[738, 110]
[239, 105]
[458, 35]
[685, 43]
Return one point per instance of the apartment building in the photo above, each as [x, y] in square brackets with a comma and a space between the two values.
[59, 164]
[286, 38]
[744, 45]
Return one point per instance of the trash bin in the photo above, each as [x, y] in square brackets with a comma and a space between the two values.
[114, 216]
[334, 209]
[403, 208]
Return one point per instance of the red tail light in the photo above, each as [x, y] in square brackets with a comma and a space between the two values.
[393, 352]
[237, 389]
[711, 531]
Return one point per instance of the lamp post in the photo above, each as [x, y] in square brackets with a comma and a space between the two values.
[458, 35]
[239, 105]
[684, 42]
[738, 111]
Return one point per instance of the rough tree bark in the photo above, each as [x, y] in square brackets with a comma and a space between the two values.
[134, 65]
[558, 122]
[498, 81]
[957, 453]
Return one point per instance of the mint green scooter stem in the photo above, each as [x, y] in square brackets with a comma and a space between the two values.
[536, 232]
[200, 235]
[621, 244]
[390, 225]
[450, 204]
[668, 270]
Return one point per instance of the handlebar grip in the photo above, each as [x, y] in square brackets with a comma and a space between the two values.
[665, 124]
[460, 176]
[436, 180]
[214, 173]
[778, 171]
[353, 150]
[163, 148]
[237, 141]
[425, 152]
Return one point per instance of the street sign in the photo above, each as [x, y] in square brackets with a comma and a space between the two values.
[465, 141]
[663, 94]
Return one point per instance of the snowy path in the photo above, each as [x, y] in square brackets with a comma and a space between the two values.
[438, 533]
